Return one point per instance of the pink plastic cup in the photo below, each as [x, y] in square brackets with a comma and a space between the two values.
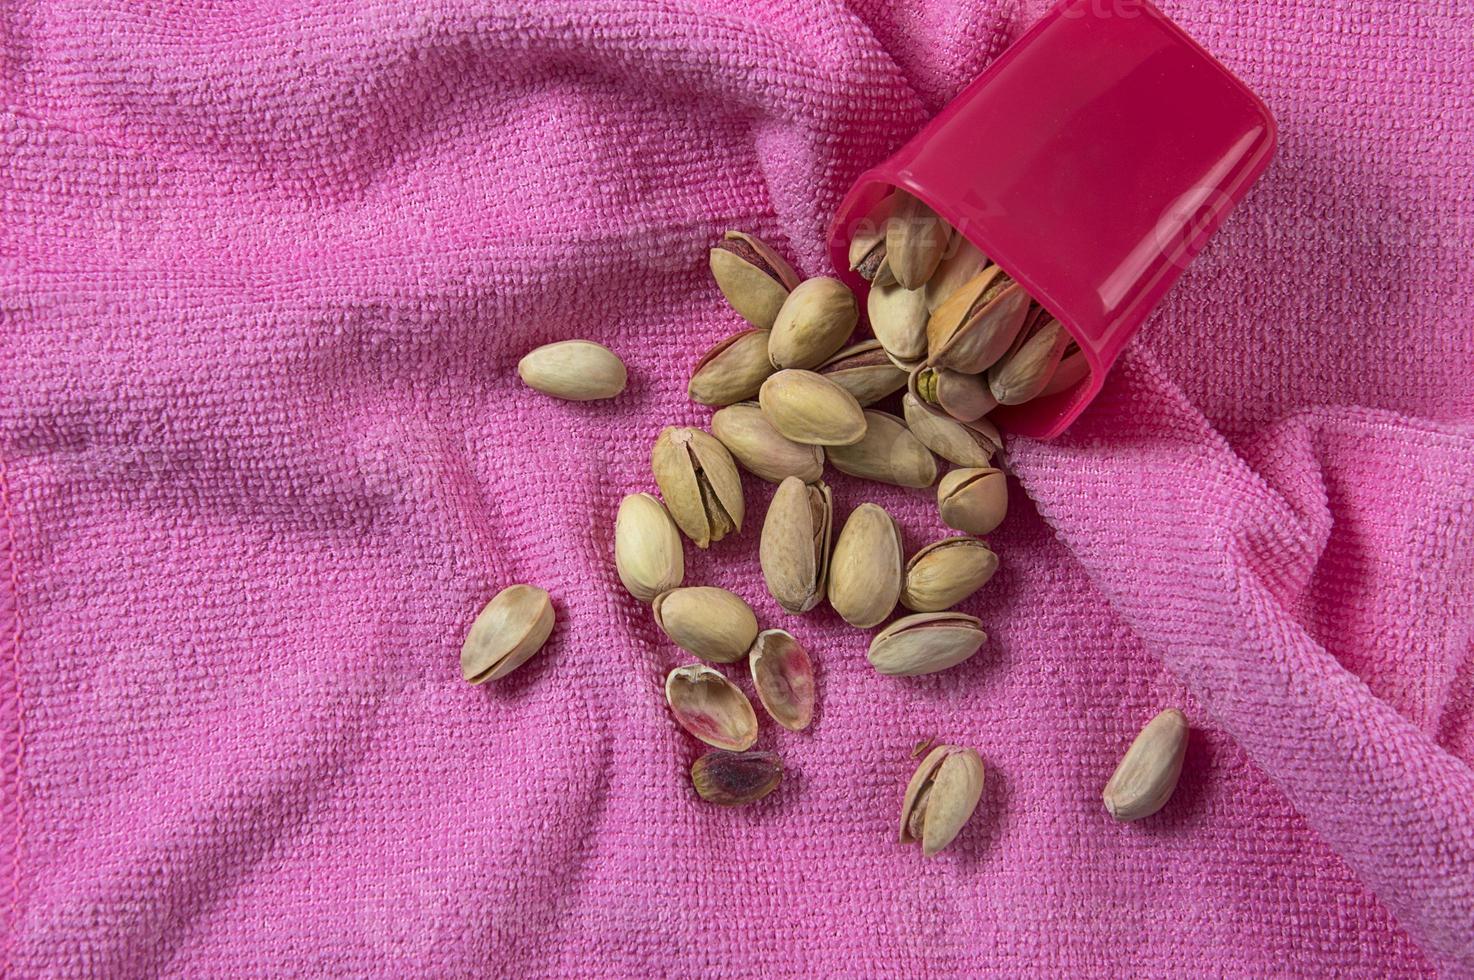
[1092, 160]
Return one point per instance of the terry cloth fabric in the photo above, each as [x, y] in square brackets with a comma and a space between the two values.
[267, 273]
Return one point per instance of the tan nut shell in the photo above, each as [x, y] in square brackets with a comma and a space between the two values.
[732, 371]
[865, 570]
[915, 239]
[815, 321]
[712, 623]
[647, 547]
[865, 371]
[926, 643]
[711, 707]
[888, 453]
[783, 675]
[809, 408]
[698, 479]
[753, 292]
[574, 370]
[1143, 782]
[973, 500]
[970, 445]
[761, 449]
[946, 572]
[941, 797]
[511, 628]
[898, 316]
[794, 549]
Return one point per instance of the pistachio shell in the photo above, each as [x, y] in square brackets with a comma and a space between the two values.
[867, 239]
[925, 643]
[955, 271]
[574, 370]
[945, 572]
[752, 276]
[511, 628]
[735, 778]
[964, 397]
[973, 500]
[749, 436]
[1072, 369]
[647, 547]
[888, 453]
[941, 797]
[978, 323]
[898, 316]
[733, 370]
[1024, 373]
[865, 571]
[712, 623]
[809, 408]
[711, 707]
[971, 445]
[794, 550]
[698, 479]
[915, 239]
[815, 321]
[784, 678]
[865, 371]
[1143, 782]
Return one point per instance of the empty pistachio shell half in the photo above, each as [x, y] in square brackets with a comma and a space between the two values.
[732, 371]
[809, 408]
[954, 272]
[964, 397]
[945, 572]
[940, 798]
[784, 678]
[865, 570]
[978, 323]
[888, 453]
[815, 321]
[734, 778]
[971, 445]
[647, 547]
[1023, 374]
[915, 239]
[865, 371]
[794, 550]
[698, 479]
[752, 276]
[867, 241]
[574, 370]
[1143, 782]
[712, 623]
[973, 500]
[925, 643]
[761, 449]
[898, 316]
[512, 627]
[711, 707]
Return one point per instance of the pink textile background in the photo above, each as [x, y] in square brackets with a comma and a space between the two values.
[266, 274]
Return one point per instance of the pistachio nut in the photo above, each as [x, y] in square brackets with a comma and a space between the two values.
[794, 549]
[783, 675]
[971, 445]
[865, 371]
[749, 436]
[712, 623]
[898, 317]
[925, 643]
[647, 548]
[1148, 773]
[945, 572]
[915, 239]
[954, 272]
[1024, 373]
[964, 397]
[865, 570]
[1072, 369]
[940, 798]
[752, 276]
[711, 707]
[574, 370]
[888, 453]
[977, 324]
[699, 481]
[732, 371]
[512, 627]
[973, 500]
[867, 242]
[815, 321]
[734, 778]
[809, 408]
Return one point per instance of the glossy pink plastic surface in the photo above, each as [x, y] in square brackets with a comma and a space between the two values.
[1092, 160]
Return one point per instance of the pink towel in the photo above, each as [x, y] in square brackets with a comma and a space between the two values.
[266, 275]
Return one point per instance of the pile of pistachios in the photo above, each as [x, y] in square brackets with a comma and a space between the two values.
[796, 391]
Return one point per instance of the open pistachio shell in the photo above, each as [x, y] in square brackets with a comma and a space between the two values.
[898, 316]
[1143, 782]
[865, 371]
[784, 678]
[925, 643]
[809, 408]
[699, 481]
[794, 549]
[867, 242]
[865, 571]
[971, 445]
[647, 547]
[976, 326]
[733, 370]
[712, 623]
[941, 797]
[752, 276]
[973, 500]
[711, 707]
[511, 628]
[945, 572]
[888, 453]
[762, 449]
[915, 239]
